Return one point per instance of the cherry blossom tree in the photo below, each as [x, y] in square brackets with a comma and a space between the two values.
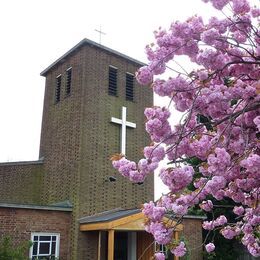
[219, 129]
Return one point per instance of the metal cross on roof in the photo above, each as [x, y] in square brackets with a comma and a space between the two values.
[124, 124]
[100, 33]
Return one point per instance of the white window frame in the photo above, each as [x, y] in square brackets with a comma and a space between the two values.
[162, 249]
[57, 248]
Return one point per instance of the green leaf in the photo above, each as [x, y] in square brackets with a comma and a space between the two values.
[205, 121]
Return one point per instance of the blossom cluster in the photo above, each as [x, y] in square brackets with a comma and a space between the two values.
[157, 125]
[215, 147]
[161, 233]
[210, 225]
[177, 178]
[138, 172]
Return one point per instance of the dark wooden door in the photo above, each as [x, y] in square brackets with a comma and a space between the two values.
[145, 246]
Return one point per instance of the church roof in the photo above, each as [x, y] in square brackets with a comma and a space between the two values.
[40, 161]
[37, 207]
[91, 43]
[110, 215]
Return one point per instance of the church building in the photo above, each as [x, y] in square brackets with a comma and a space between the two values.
[71, 203]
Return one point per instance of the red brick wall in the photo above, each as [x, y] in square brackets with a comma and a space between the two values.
[21, 182]
[20, 223]
[192, 233]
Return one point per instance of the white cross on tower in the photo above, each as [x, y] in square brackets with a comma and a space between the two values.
[124, 124]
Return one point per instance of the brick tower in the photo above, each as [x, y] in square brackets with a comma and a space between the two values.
[85, 89]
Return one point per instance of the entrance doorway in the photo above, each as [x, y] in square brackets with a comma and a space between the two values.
[125, 245]
[121, 241]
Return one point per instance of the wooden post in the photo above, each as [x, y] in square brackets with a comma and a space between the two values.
[111, 235]
[99, 246]
[176, 236]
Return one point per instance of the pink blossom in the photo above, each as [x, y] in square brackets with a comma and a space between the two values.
[179, 210]
[254, 249]
[219, 161]
[159, 256]
[219, 4]
[252, 163]
[210, 36]
[200, 148]
[220, 221]
[255, 12]
[206, 58]
[229, 233]
[161, 234]
[257, 122]
[179, 250]
[238, 210]
[178, 178]
[248, 239]
[203, 75]
[136, 176]
[153, 212]
[239, 37]
[210, 247]
[144, 76]
[208, 225]
[220, 25]
[206, 205]
[213, 186]
[241, 6]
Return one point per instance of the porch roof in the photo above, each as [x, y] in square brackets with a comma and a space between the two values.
[118, 219]
[108, 215]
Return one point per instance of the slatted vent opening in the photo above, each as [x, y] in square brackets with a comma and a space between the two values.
[68, 81]
[112, 81]
[58, 89]
[129, 94]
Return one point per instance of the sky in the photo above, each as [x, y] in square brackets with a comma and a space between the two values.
[34, 33]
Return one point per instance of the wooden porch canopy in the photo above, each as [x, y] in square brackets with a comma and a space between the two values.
[119, 220]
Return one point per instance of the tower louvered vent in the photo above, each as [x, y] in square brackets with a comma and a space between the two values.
[129, 87]
[58, 89]
[68, 81]
[112, 84]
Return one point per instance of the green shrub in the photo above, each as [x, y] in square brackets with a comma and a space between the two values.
[8, 251]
